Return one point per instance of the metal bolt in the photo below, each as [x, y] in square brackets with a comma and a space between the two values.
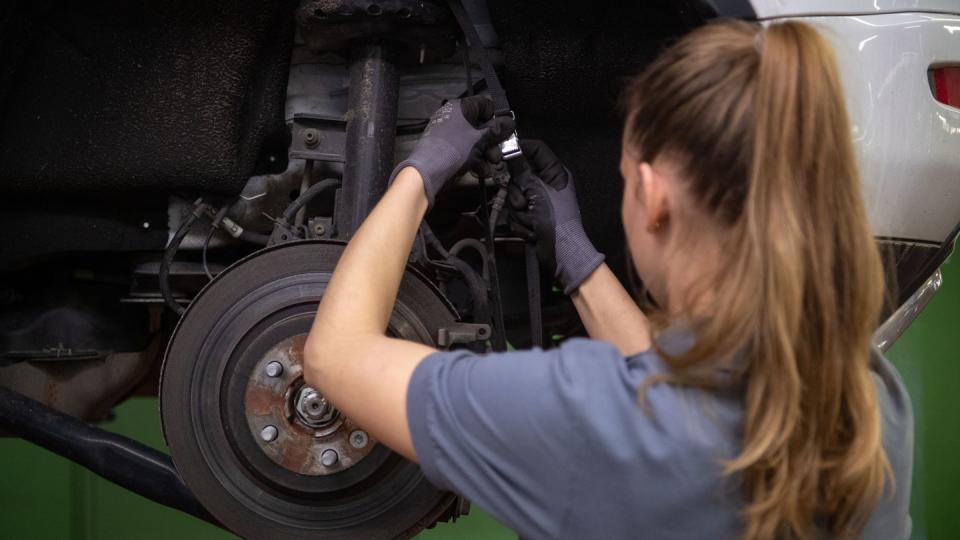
[312, 409]
[269, 433]
[358, 439]
[311, 137]
[329, 458]
[319, 229]
[274, 369]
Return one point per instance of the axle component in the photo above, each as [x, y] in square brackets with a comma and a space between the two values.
[125, 462]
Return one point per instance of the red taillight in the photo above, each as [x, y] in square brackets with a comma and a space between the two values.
[946, 85]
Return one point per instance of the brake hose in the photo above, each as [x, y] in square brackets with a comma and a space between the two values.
[206, 241]
[474, 283]
[291, 212]
[164, 276]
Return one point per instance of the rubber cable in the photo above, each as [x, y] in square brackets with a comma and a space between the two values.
[305, 197]
[478, 247]
[206, 241]
[171, 252]
[476, 286]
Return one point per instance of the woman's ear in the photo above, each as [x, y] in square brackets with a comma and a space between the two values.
[655, 196]
[632, 181]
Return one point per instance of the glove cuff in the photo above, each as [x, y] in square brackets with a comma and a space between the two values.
[409, 162]
[576, 256]
[435, 166]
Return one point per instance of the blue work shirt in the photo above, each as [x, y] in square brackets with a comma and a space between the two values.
[554, 444]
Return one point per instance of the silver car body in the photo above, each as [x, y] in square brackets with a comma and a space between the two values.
[908, 144]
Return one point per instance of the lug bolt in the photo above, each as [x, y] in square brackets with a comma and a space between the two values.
[358, 439]
[274, 369]
[269, 433]
[329, 458]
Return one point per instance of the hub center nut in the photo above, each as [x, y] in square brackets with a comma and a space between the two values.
[313, 409]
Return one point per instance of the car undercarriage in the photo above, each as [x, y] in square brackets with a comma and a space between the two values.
[179, 179]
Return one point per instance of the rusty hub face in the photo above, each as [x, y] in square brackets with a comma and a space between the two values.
[309, 435]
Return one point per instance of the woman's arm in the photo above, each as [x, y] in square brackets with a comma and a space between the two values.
[348, 358]
[544, 202]
[610, 314]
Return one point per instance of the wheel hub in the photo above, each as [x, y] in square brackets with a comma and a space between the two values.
[304, 433]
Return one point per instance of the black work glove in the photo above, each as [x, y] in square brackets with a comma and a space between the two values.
[544, 204]
[458, 135]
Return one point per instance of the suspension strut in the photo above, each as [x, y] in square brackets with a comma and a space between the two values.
[371, 125]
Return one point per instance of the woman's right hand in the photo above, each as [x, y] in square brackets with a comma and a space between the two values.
[544, 203]
[456, 139]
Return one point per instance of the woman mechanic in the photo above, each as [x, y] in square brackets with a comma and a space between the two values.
[748, 403]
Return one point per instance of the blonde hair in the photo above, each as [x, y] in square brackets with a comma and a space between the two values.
[755, 119]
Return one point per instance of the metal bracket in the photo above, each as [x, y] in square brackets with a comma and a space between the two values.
[283, 233]
[320, 227]
[462, 333]
[320, 138]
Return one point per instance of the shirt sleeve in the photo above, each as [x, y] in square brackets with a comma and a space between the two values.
[502, 429]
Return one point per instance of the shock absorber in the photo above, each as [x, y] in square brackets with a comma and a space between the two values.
[371, 125]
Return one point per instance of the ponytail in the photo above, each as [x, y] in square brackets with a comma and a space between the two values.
[756, 119]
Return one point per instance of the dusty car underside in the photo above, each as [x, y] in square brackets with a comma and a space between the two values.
[217, 155]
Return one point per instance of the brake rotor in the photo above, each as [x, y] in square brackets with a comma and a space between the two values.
[264, 452]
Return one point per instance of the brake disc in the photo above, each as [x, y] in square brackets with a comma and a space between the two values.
[262, 451]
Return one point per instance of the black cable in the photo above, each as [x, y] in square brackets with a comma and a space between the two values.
[476, 286]
[254, 237]
[477, 246]
[206, 241]
[306, 196]
[433, 241]
[203, 253]
[489, 73]
[426, 256]
[499, 337]
[304, 186]
[171, 251]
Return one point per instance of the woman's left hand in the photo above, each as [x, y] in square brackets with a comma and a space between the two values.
[455, 140]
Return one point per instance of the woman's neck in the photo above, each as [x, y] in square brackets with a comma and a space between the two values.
[691, 272]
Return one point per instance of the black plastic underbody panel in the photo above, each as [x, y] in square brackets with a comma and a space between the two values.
[118, 96]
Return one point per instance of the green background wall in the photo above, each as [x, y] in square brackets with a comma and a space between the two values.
[43, 496]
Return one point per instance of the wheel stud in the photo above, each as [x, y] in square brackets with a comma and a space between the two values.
[329, 458]
[358, 439]
[269, 433]
[274, 369]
